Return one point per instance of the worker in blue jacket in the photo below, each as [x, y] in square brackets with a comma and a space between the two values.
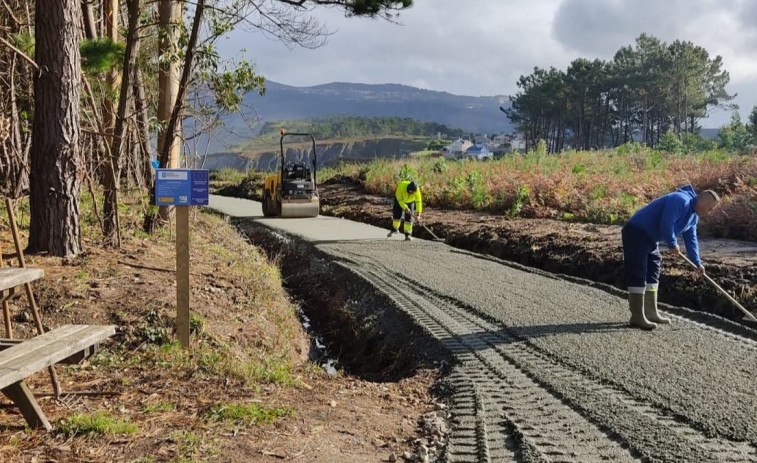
[657, 223]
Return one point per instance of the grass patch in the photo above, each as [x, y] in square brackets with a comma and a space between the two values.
[422, 153]
[98, 423]
[227, 175]
[218, 360]
[249, 414]
[159, 408]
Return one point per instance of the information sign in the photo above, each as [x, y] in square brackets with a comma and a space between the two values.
[181, 187]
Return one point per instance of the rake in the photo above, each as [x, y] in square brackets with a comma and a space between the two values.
[748, 314]
[417, 220]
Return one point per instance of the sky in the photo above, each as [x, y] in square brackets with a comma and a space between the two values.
[481, 47]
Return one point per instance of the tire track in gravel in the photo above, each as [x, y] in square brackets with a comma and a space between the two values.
[500, 397]
[699, 373]
[548, 402]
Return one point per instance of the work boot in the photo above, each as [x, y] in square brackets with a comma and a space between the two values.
[392, 232]
[650, 309]
[636, 304]
[408, 237]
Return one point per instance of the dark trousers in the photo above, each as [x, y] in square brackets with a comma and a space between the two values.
[641, 258]
[399, 215]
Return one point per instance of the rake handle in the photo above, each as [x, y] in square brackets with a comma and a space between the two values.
[724, 292]
[418, 221]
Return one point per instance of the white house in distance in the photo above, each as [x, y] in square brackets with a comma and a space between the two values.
[516, 142]
[479, 152]
[456, 148]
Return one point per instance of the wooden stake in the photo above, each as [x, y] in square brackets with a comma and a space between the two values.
[6, 310]
[182, 274]
[28, 287]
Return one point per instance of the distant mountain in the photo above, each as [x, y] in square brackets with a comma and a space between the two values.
[472, 114]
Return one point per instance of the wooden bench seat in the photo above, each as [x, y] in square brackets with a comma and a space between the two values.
[71, 360]
[12, 277]
[21, 360]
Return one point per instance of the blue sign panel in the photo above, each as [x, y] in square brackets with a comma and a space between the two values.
[181, 187]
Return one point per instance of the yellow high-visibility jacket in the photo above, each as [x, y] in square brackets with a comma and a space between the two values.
[403, 197]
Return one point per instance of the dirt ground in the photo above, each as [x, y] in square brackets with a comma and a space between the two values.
[577, 249]
[249, 349]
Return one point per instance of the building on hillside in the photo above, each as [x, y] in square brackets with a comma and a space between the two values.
[456, 149]
[502, 139]
[479, 152]
[518, 143]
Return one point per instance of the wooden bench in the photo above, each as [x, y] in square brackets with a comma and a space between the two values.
[20, 360]
[11, 278]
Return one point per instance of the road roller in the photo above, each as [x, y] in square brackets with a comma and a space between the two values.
[292, 190]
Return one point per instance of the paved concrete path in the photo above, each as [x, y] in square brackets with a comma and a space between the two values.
[548, 369]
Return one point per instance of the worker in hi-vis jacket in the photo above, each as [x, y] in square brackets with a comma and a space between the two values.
[658, 223]
[408, 205]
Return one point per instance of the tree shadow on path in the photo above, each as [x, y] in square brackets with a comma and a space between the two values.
[482, 340]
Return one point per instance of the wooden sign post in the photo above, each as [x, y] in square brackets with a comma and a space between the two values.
[182, 188]
[182, 274]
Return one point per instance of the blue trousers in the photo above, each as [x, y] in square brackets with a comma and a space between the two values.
[642, 259]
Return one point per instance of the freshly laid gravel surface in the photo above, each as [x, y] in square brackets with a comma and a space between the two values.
[548, 369]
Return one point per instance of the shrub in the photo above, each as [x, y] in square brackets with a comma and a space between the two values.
[408, 172]
[440, 166]
[670, 143]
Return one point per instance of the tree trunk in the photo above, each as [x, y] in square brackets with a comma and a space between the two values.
[56, 164]
[113, 167]
[169, 12]
[110, 18]
[143, 133]
[90, 28]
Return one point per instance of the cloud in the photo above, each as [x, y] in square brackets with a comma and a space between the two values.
[481, 47]
[477, 47]
[600, 27]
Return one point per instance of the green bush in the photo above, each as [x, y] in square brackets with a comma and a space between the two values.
[520, 200]
[670, 142]
[408, 172]
[436, 145]
[440, 166]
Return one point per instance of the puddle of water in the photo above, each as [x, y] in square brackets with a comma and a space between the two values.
[321, 355]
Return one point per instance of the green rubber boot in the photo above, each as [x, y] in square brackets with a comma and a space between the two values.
[650, 308]
[636, 304]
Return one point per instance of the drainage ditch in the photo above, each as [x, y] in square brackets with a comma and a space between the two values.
[357, 325]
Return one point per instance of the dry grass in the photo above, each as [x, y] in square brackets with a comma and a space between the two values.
[588, 186]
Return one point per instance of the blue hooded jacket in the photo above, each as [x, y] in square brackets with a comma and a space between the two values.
[669, 216]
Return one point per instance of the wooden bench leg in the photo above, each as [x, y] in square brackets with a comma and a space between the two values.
[20, 394]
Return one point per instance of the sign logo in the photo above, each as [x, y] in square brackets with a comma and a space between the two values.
[169, 175]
